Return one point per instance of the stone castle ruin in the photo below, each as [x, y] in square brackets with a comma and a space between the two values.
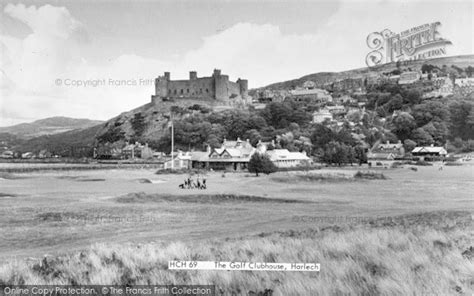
[215, 90]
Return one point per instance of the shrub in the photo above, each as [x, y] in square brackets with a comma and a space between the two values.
[261, 163]
[369, 175]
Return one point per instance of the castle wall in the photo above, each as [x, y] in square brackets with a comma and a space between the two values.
[233, 89]
[199, 87]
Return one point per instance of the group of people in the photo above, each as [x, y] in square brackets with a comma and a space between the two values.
[190, 184]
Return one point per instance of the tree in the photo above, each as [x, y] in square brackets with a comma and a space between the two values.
[261, 163]
[403, 124]
[409, 145]
[337, 153]
[462, 119]
[422, 137]
[138, 125]
[428, 111]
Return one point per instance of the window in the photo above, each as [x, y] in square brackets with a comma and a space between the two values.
[175, 91]
[182, 91]
[187, 90]
[207, 90]
[200, 90]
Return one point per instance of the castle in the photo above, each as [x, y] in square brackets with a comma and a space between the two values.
[214, 88]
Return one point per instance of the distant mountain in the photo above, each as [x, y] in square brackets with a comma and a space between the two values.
[48, 126]
[61, 143]
[322, 77]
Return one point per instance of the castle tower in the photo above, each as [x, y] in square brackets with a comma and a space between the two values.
[221, 85]
[244, 86]
[161, 85]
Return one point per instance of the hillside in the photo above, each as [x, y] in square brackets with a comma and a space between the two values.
[62, 143]
[195, 126]
[48, 126]
[322, 77]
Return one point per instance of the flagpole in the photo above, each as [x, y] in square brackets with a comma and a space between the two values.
[172, 142]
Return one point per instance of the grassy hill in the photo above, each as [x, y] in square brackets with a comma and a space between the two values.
[459, 61]
[58, 143]
[48, 126]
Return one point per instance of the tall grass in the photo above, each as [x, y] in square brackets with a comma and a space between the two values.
[405, 258]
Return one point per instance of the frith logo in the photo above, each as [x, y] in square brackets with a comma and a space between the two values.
[417, 43]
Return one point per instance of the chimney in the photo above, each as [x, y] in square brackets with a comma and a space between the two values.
[208, 149]
[217, 72]
[432, 145]
[192, 75]
[388, 142]
[167, 75]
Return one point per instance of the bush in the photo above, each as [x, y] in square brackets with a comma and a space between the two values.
[261, 163]
[369, 175]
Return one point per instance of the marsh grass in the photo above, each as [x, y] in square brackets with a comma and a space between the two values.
[403, 257]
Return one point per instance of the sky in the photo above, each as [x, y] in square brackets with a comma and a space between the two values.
[96, 59]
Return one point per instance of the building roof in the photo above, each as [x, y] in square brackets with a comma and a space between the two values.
[381, 155]
[322, 112]
[236, 144]
[199, 156]
[284, 154]
[429, 149]
[302, 92]
[386, 151]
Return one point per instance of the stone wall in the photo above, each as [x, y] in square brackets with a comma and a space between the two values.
[200, 87]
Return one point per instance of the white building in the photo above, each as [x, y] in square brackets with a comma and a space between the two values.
[180, 161]
[322, 115]
[409, 77]
[429, 151]
[464, 82]
[283, 158]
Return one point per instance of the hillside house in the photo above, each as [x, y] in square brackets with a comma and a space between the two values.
[346, 99]
[409, 77]
[464, 86]
[322, 115]
[336, 110]
[137, 150]
[312, 94]
[383, 154]
[429, 152]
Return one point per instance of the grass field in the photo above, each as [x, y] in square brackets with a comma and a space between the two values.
[347, 225]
